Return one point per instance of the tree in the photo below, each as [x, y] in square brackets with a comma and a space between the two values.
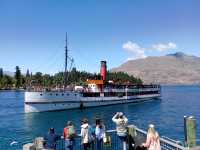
[58, 79]
[1, 73]
[23, 81]
[38, 78]
[47, 81]
[73, 76]
[123, 78]
[27, 74]
[7, 82]
[27, 78]
[18, 77]
[1, 77]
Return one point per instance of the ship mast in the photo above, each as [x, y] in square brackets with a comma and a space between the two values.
[66, 56]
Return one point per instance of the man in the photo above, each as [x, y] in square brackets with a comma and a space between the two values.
[121, 127]
[69, 134]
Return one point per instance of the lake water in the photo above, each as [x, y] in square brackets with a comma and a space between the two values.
[166, 114]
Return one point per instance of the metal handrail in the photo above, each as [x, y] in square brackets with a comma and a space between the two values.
[165, 142]
[175, 141]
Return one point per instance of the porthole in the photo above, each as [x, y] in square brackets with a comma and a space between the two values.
[41, 94]
[56, 94]
[62, 94]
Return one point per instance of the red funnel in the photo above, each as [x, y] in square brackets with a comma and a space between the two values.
[103, 70]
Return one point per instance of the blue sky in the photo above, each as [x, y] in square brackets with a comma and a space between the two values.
[32, 32]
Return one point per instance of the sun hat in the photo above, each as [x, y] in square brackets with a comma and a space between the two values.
[85, 120]
[151, 126]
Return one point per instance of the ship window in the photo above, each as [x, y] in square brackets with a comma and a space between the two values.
[41, 94]
[50, 93]
[75, 94]
[62, 94]
[56, 94]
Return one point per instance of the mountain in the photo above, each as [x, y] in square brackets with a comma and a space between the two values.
[178, 68]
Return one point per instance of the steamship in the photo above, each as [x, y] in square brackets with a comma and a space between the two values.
[97, 93]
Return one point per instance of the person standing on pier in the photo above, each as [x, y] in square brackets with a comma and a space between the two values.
[86, 135]
[99, 133]
[153, 140]
[69, 134]
[51, 138]
[121, 127]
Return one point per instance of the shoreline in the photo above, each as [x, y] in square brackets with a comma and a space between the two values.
[11, 89]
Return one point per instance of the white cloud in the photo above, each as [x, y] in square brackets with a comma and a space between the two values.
[164, 47]
[135, 49]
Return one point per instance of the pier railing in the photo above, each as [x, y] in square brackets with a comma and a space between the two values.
[115, 144]
[112, 145]
[166, 143]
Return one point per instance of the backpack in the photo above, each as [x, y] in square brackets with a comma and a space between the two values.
[91, 134]
[69, 132]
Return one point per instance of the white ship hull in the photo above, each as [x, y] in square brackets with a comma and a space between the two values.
[51, 101]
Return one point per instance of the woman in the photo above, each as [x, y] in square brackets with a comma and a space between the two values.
[99, 133]
[86, 136]
[153, 140]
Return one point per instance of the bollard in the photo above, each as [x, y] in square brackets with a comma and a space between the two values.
[195, 148]
[29, 146]
[190, 131]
